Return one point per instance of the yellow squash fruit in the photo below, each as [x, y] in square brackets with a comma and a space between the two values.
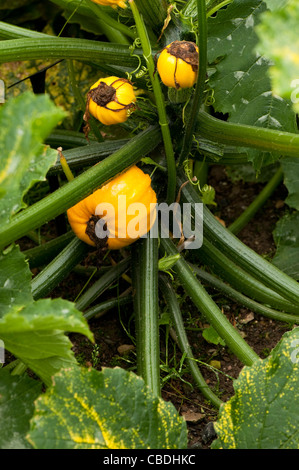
[125, 208]
[111, 3]
[110, 100]
[177, 64]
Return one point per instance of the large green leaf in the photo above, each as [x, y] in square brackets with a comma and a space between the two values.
[15, 277]
[286, 237]
[279, 42]
[17, 396]
[34, 331]
[76, 11]
[112, 409]
[25, 122]
[35, 334]
[263, 413]
[240, 80]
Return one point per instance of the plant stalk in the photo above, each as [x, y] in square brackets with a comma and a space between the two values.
[176, 316]
[58, 268]
[44, 253]
[146, 309]
[241, 299]
[200, 83]
[102, 284]
[209, 309]
[241, 135]
[229, 270]
[163, 121]
[100, 309]
[51, 47]
[234, 249]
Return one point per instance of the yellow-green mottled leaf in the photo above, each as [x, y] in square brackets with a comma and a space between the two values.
[35, 334]
[17, 395]
[25, 122]
[57, 83]
[112, 409]
[263, 413]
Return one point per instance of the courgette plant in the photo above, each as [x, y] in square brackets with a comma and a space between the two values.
[229, 116]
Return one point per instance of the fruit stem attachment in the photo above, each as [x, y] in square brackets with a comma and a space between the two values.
[147, 53]
[200, 83]
[64, 164]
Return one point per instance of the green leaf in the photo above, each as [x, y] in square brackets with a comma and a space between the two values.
[17, 395]
[211, 336]
[167, 262]
[15, 277]
[25, 122]
[290, 168]
[276, 4]
[35, 334]
[112, 409]
[76, 11]
[282, 49]
[263, 412]
[286, 237]
[240, 80]
[12, 4]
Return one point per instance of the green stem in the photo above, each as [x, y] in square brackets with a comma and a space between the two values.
[44, 253]
[209, 309]
[59, 268]
[72, 192]
[174, 309]
[217, 7]
[51, 47]
[228, 270]
[146, 309]
[147, 53]
[102, 284]
[258, 202]
[200, 84]
[9, 31]
[286, 143]
[233, 248]
[200, 170]
[116, 31]
[100, 309]
[19, 369]
[81, 102]
[67, 139]
[88, 155]
[241, 299]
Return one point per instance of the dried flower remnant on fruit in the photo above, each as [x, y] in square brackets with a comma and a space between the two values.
[111, 3]
[178, 64]
[110, 100]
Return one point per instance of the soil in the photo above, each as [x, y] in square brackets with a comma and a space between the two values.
[114, 331]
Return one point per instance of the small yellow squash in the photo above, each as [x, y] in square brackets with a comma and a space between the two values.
[178, 64]
[107, 218]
